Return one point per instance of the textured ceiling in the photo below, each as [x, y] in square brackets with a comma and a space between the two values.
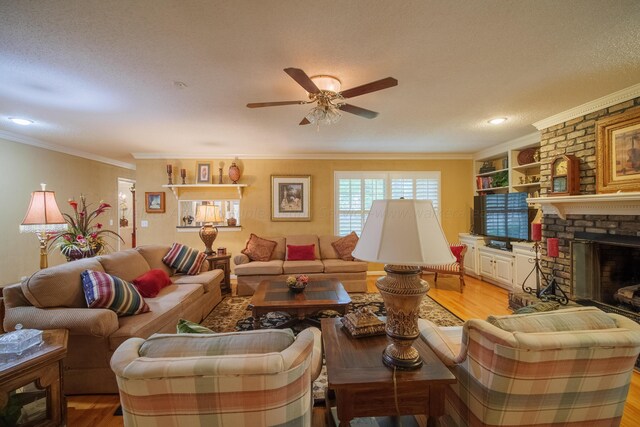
[98, 76]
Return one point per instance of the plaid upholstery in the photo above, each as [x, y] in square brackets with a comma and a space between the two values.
[241, 389]
[184, 259]
[566, 377]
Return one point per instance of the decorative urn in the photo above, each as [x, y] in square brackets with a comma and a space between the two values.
[234, 173]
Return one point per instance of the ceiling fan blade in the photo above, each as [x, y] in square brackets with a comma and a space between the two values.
[304, 122]
[273, 104]
[369, 87]
[362, 112]
[302, 79]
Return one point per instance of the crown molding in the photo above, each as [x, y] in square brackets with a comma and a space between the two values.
[590, 107]
[531, 139]
[21, 139]
[318, 156]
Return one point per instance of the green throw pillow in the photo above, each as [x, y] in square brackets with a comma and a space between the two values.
[187, 327]
[537, 307]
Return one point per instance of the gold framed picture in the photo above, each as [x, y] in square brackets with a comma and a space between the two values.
[203, 173]
[154, 202]
[290, 197]
[618, 152]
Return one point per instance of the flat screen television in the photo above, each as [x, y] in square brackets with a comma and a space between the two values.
[504, 216]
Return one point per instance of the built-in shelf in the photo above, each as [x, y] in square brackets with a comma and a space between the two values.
[527, 185]
[492, 172]
[527, 166]
[590, 204]
[176, 188]
[483, 190]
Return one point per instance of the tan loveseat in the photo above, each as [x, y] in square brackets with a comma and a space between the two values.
[352, 274]
[53, 298]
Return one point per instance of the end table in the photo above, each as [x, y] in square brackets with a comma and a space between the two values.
[223, 262]
[32, 384]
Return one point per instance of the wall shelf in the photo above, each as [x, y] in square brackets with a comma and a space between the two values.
[176, 188]
[590, 204]
[484, 190]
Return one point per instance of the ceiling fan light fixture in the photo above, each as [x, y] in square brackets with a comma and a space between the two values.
[324, 115]
[327, 83]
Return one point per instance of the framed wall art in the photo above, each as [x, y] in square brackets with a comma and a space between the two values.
[290, 197]
[618, 152]
[203, 173]
[154, 202]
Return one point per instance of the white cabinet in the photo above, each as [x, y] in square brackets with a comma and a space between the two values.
[471, 260]
[496, 266]
[523, 265]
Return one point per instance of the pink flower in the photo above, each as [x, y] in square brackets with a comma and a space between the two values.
[94, 235]
[80, 238]
[73, 204]
[98, 226]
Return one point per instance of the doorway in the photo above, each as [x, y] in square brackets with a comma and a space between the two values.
[126, 213]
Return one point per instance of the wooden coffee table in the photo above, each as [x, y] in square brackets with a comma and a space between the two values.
[318, 295]
[364, 386]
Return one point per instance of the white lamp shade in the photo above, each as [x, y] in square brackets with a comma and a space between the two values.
[208, 213]
[43, 214]
[403, 232]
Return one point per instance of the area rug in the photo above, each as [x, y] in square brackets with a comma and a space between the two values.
[234, 314]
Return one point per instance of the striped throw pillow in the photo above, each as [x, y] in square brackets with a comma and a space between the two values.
[184, 259]
[102, 290]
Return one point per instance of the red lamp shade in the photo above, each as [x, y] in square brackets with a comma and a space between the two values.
[536, 231]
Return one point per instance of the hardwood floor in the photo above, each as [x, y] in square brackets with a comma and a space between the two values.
[478, 301]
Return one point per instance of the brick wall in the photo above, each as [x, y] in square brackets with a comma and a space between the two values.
[578, 137]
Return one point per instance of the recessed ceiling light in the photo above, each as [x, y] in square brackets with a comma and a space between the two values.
[22, 122]
[497, 120]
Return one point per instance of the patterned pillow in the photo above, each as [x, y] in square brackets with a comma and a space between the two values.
[346, 245]
[102, 290]
[184, 259]
[259, 249]
[188, 327]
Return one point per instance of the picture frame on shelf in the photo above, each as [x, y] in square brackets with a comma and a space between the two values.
[290, 197]
[618, 152]
[203, 173]
[154, 202]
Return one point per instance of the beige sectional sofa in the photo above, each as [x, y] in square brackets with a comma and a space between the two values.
[53, 298]
[352, 274]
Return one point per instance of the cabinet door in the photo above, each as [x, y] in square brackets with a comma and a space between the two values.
[486, 265]
[470, 259]
[523, 266]
[503, 269]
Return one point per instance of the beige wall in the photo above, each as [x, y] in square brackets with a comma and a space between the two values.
[23, 169]
[456, 178]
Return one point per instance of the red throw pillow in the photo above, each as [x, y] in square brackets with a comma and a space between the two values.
[457, 252]
[150, 283]
[301, 253]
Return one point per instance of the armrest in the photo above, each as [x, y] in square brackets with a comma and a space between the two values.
[241, 259]
[79, 321]
[126, 353]
[446, 342]
[309, 340]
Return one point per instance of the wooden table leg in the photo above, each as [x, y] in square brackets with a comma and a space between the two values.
[256, 319]
[343, 403]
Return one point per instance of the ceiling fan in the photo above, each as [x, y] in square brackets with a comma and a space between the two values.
[325, 92]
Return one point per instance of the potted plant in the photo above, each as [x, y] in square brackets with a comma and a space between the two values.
[82, 239]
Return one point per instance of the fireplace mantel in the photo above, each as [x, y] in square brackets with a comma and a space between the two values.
[590, 204]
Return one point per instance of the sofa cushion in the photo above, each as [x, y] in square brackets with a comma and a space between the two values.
[165, 310]
[304, 239]
[208, 279]
[150, 283]
[59, 286]
[190, 345]
[345, 245]
[301, 253]
[259, 249]
[259, 267]
[104, 290]
[299, 267]
[572, 319]
[184, 259]
[281, 248]
[153, 254]
[127, 264]
[326, 248]
[340, 266]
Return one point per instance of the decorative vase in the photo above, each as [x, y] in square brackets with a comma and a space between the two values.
[234, 173]
[231, 222]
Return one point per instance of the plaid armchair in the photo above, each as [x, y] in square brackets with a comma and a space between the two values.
[456, 268]
[256, 378]
[558, 368]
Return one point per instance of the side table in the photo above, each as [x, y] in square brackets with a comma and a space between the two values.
[223, 262]
[365, 387]
[33, 383]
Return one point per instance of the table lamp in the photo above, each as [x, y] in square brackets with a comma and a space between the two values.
[208, 214]
[402, 234]
[43, 216]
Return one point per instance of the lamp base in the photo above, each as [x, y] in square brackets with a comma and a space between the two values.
[208, 234]
[44, 262]
[402, 291]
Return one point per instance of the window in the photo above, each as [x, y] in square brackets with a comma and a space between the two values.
[356, 191]
[187, 211]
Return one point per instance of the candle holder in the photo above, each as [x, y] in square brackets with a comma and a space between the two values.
[183, 175]
[169, 173]
[219, 175]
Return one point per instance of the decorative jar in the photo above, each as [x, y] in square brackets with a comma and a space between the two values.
[234, 173]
